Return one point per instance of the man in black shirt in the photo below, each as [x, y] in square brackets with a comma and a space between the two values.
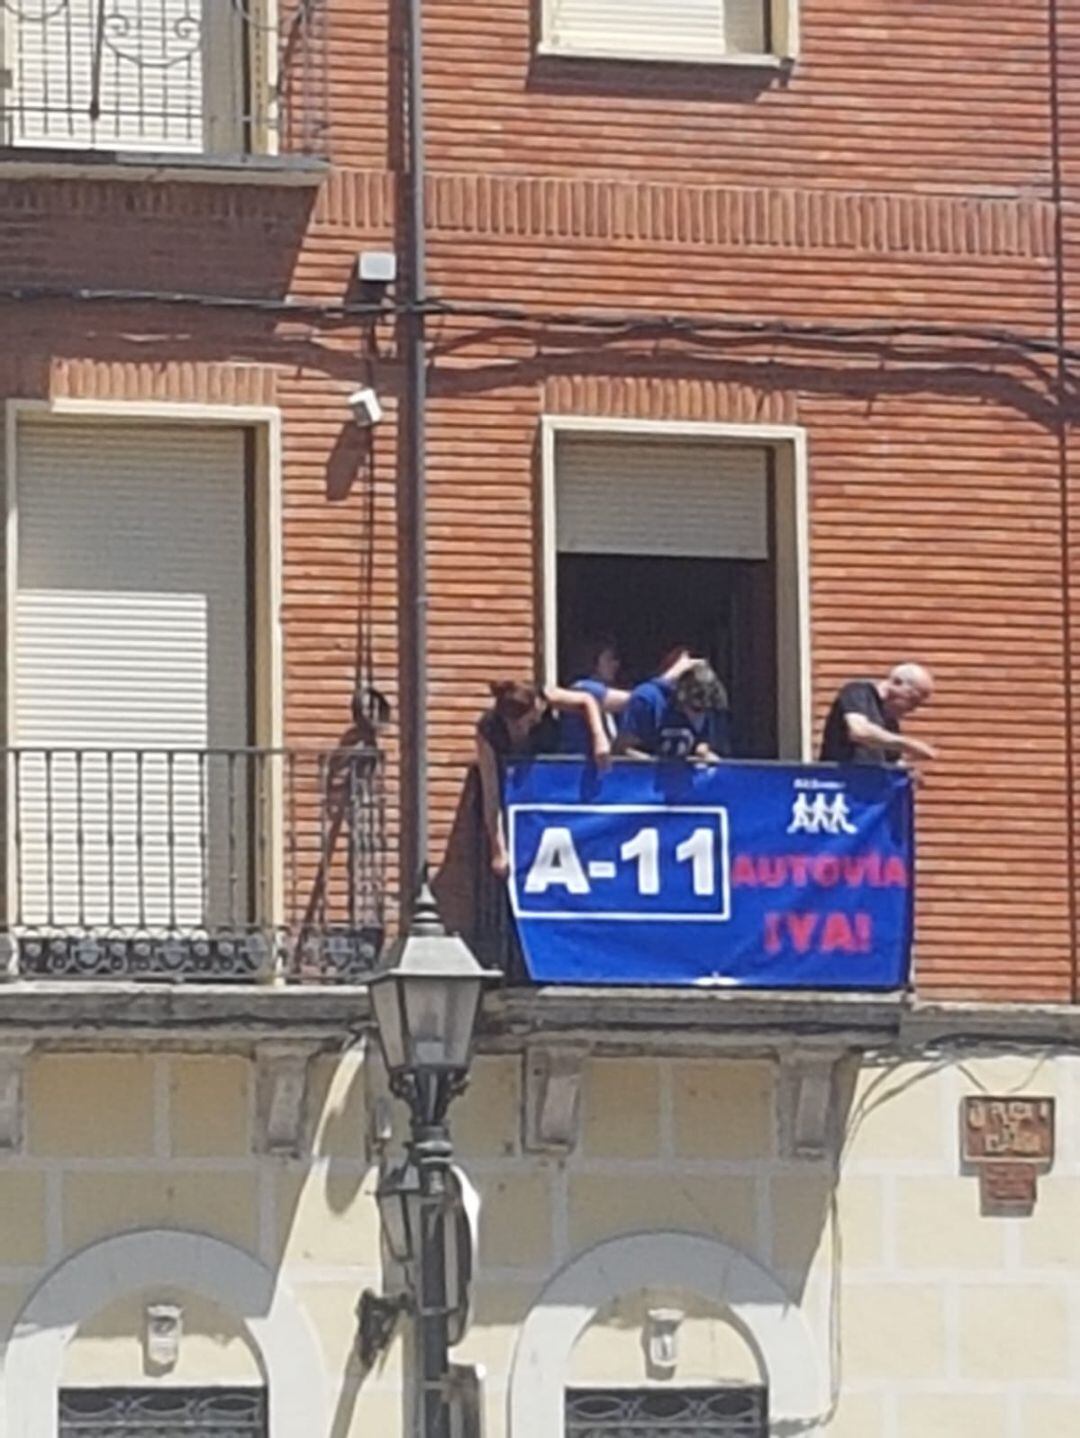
[863, 725]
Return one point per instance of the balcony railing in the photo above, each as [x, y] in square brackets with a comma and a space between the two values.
[205, 865]
[196, 77]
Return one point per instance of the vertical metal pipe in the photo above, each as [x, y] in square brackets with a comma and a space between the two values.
[416, 405]
[430, 1152]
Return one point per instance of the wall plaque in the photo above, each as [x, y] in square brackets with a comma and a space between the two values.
[1009, 1142]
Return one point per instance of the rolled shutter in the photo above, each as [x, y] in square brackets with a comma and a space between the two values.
[130, 635]
[694, 500]
[635, 28]
[650, 29]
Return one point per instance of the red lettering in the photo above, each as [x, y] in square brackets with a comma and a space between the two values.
[773, 941]
[801, 927]
[772, 872]
[837, 935]
[799, 864]
[827, 871]
[864, 932]
[742, 872]
[896, 874]
[855, 869]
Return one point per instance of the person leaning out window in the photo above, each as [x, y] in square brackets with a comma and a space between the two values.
[521, 723]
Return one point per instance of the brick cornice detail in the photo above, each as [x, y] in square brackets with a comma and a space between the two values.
[601, 210]
[712, 217]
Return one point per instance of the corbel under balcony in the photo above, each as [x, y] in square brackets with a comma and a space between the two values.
[806, 1102]
[12, 1065]
[552, 1096]
[282, 1071]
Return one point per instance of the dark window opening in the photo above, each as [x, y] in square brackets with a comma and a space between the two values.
[724, 609]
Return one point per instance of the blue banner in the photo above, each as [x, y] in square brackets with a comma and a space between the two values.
[756, 875]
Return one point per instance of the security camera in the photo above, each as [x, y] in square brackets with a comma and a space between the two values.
[365, 406]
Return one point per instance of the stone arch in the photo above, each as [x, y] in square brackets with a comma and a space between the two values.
[772, 1324]
[289, 1354]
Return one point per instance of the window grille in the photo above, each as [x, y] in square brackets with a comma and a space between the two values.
[732, 1412]
[163, 1413]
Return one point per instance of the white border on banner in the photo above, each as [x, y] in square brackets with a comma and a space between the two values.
[721, 813]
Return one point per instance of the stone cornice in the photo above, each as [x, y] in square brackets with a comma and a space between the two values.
[602, 1020]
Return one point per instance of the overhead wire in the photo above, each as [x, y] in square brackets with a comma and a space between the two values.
[607, 322]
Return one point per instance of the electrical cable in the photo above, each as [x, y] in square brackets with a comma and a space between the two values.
[625, 323]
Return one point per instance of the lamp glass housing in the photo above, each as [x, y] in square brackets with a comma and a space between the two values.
[426, 1021]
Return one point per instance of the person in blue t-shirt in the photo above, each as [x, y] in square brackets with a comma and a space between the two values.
[687, 718]
[598, 667]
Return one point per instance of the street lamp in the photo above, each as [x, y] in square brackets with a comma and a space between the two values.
[425, 1005]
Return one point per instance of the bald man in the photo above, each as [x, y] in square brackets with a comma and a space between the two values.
[863, 725]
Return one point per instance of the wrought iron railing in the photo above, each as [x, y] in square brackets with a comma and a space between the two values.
[731, 1412]
[162, 1412]
[199, 864]
[201, 77]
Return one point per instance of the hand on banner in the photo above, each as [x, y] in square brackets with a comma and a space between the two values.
[500, 861]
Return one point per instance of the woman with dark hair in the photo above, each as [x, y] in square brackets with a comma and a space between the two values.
[522, 723]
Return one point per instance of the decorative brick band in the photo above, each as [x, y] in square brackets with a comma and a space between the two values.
[706, 217]
[634, 396]
[716, 217]
[582, 209]
[176, 381]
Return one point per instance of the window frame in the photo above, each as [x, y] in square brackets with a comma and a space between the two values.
[782, 27]
[788, 444]
[266, 564]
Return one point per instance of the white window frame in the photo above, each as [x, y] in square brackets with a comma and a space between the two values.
[793, 1354]
[784, 24]
[265, 421]
[789, 445]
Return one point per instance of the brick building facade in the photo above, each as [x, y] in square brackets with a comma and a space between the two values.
[888, 257]
[840, 273]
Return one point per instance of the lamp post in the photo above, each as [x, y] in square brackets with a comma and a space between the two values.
[425, 1005]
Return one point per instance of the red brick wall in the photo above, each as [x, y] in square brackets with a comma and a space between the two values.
[903, 171]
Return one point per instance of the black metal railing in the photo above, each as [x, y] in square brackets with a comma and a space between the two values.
[201, 77]
[667, 1412]
[162, 1412]
[182, 863]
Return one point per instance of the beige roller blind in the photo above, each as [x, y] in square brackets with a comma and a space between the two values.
[655, 29]
[130, 634]
[631, 496]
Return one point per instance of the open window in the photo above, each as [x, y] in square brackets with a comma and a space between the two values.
[659, 535]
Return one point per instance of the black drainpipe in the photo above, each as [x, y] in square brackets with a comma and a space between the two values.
[418, 828]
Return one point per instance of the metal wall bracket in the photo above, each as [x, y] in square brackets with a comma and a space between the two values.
[377, 1316]
[552, 1097]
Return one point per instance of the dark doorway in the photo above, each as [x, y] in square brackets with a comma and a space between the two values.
[724, 609]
